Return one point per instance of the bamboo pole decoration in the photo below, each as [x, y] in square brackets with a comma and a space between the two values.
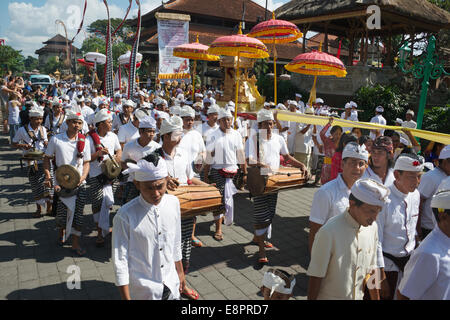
[275, 71]
[193, 80]
[312, 95]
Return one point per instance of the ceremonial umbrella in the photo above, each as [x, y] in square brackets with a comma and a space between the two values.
[238, 46]
[85, 63]
[275, 31]
[95, 57]
[194, 51]
[317, 63]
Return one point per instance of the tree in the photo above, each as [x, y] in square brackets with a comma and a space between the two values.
[100, 27]
[31, 63]
[52, 65]
[11, 59]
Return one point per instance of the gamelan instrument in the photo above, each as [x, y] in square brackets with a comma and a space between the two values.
[197, 200]
[34, 154]
[68, 178]
[110, 168]
[285, 178]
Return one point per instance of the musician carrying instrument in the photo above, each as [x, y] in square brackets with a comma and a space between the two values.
[68, 178]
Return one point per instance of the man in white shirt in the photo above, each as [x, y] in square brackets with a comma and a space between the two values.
[146, 241]
[427, 188]
[332, 198]
[137, 149]
[354, 110]
[427, 273]
[348, 115]
[55, 119]
[397, 223]
[34, 135]
[123, 117]
[381, 161]
[116, 105]
[409, 123]
[103, 144]
[70, 148]
[224, 152]
[270, 146]
[378, 118]
[192, 140]
[292, 131]
[130, 131]
[209, 126]
[344, 254]
[303, 142]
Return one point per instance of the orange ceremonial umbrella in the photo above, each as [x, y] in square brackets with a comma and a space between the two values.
[238, 45]
[194, 51]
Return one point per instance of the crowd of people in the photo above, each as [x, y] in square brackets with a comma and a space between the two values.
[381, 211]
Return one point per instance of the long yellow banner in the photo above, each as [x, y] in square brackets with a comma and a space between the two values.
[322, 121]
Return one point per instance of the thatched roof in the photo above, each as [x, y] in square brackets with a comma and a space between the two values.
[421, 14]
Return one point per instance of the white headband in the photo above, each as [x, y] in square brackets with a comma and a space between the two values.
[371, 192]
[146, 171]
[276, 283]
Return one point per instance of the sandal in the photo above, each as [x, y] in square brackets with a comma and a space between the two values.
[263, 260]
[267, 244]
[218, 236]
[60, 242]
[191, 295]
[36, 214]
[197, 243]
[79, 251]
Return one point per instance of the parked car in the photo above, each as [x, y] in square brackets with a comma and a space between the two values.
[41, 79]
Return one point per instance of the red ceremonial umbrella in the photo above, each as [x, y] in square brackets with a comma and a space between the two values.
[275, 31]
[85, 63]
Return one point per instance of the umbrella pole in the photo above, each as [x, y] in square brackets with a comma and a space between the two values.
[312, 95]
[93, 73]
[237, 92]
[193, 80]
[275, 73]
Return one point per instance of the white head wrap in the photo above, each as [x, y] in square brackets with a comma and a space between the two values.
[102, 115]
[147, 123]
[292, 103]
[353, 104]
[309, 110]
[405, 142]
[371, 192]
[36, 113]
[300, 104]
[176, 110]
[353, 150]
[140, 114]
[213, 109]
[298, 95]
[406, 163]
[146, 171]
[187, 112]
[173, 124]
[445, 153]
[320, 100]
[379, 109]
[276, 283]
[207, 100]
[410, 112]
[398, 120]
[70, 115]
[441, 199]
[129, 103]
[348, 106]
[224, 113]
[198, 104]
[281, 106]
[161, 114]
[264, 115]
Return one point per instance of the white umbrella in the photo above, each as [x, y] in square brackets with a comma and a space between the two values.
[125, 58]
[96, 57]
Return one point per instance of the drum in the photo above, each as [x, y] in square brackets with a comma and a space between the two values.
[197, 200]
[34, 155]
[284, 179]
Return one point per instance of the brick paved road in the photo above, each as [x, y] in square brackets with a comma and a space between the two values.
[32, 266]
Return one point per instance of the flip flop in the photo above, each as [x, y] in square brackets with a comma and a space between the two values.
[263, 260]
[79, 251]
[267, 244]
[192, 295]
[36, 214]
[197, 243]
[218, 236]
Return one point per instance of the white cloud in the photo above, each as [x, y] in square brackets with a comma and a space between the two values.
[32, 25]
[146, 7]
[271, 4]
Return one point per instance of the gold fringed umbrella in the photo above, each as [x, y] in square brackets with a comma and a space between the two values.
[194, 51]
[238, 46]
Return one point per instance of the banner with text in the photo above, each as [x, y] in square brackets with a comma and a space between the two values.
[172, 33]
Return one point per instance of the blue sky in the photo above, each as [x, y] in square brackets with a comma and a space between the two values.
[25, 24]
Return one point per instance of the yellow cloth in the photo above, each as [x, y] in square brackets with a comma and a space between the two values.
[322, 121]
[327, 160]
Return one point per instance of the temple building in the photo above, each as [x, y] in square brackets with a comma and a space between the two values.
[209, 20]
[56, 47]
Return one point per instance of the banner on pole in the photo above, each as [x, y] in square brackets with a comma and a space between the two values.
[173, 30]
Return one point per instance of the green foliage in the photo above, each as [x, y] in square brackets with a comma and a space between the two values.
[100, 26]
[31, 63]
[10, 59]
[261, 67]
[443, 4]
[437, 119]
[52, 65]
[389, 97]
